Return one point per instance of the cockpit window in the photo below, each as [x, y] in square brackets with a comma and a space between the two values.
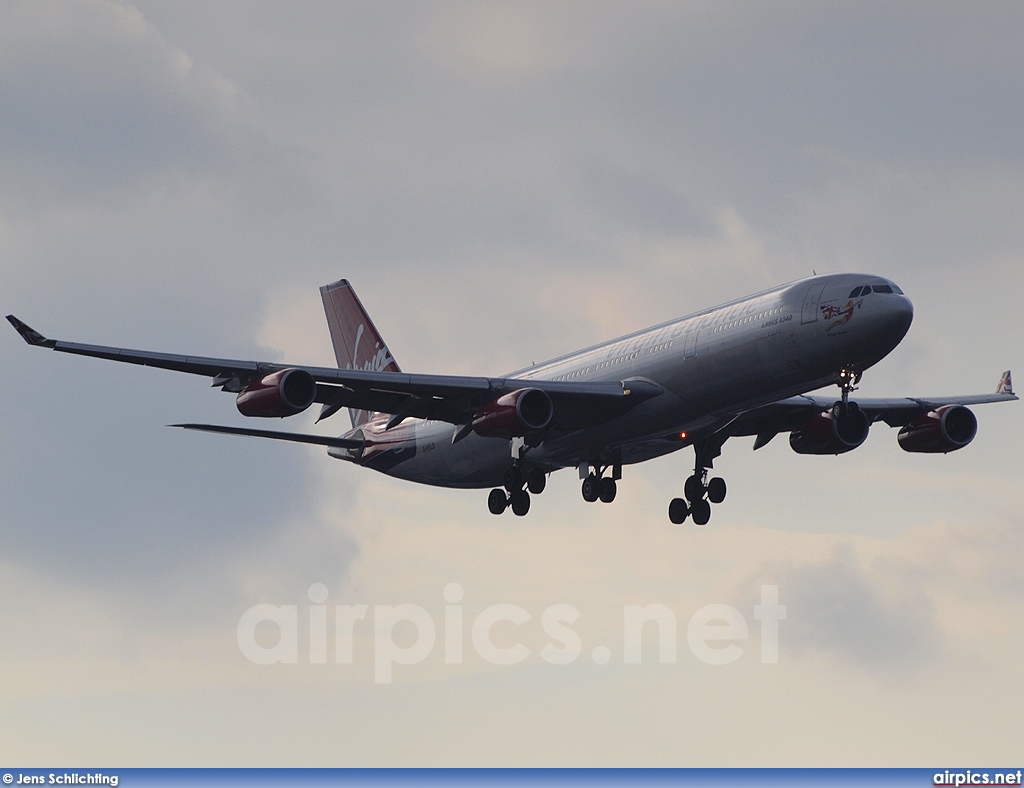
[863, 290]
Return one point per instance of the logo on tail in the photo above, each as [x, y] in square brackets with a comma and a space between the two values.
[377, 362]
[357, 343]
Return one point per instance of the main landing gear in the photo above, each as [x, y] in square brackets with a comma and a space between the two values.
[699, 491]
[598, 487]
[516, 478]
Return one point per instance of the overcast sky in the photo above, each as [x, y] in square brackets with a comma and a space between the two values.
[502, 183]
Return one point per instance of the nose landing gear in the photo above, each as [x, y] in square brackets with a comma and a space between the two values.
[847, 380]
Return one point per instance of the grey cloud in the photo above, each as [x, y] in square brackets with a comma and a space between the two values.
[629, 163]
[98, 490]
[649, 123]
[451, 195]
[837, 607]
[93, 98]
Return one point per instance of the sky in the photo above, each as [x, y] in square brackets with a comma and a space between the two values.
[501, 183]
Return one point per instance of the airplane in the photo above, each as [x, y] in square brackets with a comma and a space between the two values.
[743, 368]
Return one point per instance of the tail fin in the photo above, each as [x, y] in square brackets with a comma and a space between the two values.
[357, 343]
[1005, 384]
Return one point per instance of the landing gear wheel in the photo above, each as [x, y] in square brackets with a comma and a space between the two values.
[701, 511]
[841, 410]
[536, 481]
[607, 494]
[678, 511]
[514, 479]
[497, 501]
[716, 490]
[694, 488]
[520, 501]
[591, 488]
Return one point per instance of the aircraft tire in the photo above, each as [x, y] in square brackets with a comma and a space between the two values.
[591, 488]
[608, 490]
[701, 512]
[536, 481]
[841, 410]
[520, 501]
[514, 479]
[693, 490]
[716, 490]
[678, 511]
[497, 501]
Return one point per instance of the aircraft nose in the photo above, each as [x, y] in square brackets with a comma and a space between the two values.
[902, 315]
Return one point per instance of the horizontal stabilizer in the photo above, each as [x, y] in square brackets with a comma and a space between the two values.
[294, 437]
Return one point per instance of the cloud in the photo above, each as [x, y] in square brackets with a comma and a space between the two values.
[929, 599]
[838, 608]
[503, 40]
[500, 185]
[93, 98]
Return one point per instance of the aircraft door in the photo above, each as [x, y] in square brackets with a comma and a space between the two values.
[809, 313]
[690, 341]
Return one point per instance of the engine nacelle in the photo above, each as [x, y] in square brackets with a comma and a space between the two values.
[515, 414]
[283, 393]
[941, 431]
[830, 433]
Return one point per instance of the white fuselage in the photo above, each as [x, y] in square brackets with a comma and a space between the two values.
[710, 366]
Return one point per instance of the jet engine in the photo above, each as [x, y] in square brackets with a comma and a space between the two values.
[831, 432]
[280, 394]
[941, 431]
[514, 414]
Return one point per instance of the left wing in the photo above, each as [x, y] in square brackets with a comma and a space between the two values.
[451, 398]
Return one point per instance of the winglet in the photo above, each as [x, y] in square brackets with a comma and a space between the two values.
[1005, 384]
[29, 334]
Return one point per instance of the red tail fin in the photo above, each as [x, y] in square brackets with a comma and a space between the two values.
[357, 343]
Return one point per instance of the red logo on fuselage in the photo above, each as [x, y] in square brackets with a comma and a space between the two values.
[840, 314]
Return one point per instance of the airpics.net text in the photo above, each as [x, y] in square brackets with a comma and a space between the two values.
[715, 633]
